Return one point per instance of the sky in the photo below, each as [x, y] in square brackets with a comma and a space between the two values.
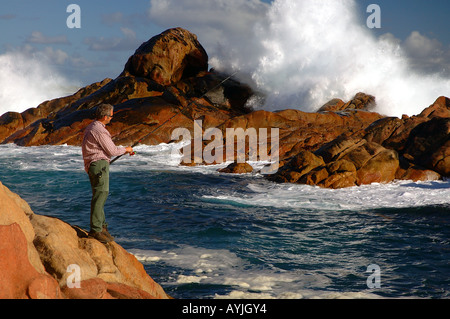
[36, 45]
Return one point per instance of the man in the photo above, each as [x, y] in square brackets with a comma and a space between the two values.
[98, 148]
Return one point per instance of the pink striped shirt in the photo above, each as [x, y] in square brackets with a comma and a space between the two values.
[98, 145]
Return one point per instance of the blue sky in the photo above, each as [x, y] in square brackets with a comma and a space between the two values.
[112, 30]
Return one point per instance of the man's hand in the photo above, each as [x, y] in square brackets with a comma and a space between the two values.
[129, 150]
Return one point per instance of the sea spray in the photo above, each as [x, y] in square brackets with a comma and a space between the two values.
[316, 50]
[302, 53]
[27, 81]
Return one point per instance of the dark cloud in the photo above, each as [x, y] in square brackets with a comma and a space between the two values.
[424, 54]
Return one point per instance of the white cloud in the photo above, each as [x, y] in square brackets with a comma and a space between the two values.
[39, 38]
[126, 43]
[57, 56]
[425, 55]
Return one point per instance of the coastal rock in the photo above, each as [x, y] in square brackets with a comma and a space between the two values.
[411, 148]
[298, 130]
[18, 278]
[165, 85]
[38, 252]
[341, 163]
[237, 168]
[17, 126]
[165, 59]
[428, 145]
[361, 101]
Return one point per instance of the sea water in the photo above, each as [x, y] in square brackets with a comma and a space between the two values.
[203, 234]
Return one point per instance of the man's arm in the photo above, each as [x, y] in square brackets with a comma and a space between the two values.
[109, 147]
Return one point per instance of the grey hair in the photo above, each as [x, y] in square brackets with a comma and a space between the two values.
[103, 110]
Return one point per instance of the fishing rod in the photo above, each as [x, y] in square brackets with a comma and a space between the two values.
[175, 115]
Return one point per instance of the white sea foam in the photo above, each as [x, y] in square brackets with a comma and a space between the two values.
[302, 53]
[26, 82]
[197, 265]
[399, 194]
[220, 267]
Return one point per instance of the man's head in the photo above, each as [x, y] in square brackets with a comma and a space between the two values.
[104, 113]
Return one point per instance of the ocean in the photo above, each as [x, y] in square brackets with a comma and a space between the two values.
[206, 235]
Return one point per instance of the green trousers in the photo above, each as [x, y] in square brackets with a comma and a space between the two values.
[99, 177]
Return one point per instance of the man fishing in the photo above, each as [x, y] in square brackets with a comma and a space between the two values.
[98, 148]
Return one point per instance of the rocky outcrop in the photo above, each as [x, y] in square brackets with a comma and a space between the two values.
[166, 78]
[165, 85]
[412, 148]
[45, 258]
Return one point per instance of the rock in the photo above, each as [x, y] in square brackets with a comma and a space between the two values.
[37, 251]
[440, 108]
[15, 210]
[10, 122]
[168, 57]
[415, 173]
[381, 168]
[237, 168]
[121, 291]
[163, 80]
[14, 126]
[57, 244]
[94, 288]
[340, 180]
[298, 166]
[165, 85]
[18, 278]
[428, 145]
[133, 272]
[341, 163]
[361, 101]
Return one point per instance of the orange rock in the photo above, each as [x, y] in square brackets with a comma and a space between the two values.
[94, 288]
[121, 291]
[18, 278]
[168, 57]
[237, 168]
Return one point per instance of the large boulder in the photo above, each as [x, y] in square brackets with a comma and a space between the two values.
[18, 278]
[168, 57]
[341, 163]
[167, 78]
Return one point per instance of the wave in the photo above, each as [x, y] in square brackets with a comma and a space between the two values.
[26, 82]
[304, 53]
[399, 194]
[318, 50]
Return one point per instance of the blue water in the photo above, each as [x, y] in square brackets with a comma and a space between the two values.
[201, 234]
